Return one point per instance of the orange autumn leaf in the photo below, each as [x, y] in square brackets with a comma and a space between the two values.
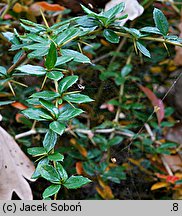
[19, 105]
[159, 185]
[17, 8]
[79, 168]
[80, 148]
[50, 7]
[18, 117]
[104, 190]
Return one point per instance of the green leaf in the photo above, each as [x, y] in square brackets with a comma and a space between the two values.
[50, 173]
[66, 83]
[134, 32]
[50, 140]
[11, 37]
[161, 21]
[115, 174]
[3, 71]
[77, 56]
[62, 172]
[88, 11]
[126, 70]
[75, 182]
[51, 57]
[111, 13]
[32, 70]
[55, 75]
[167, 145]
[3, 103]
[38, 53]
[115, 141]
[36, 173]
[67, 112]
[152, 30]
[51, 190]
[111, 36]
[77, 98]
[50, 107]
[37, 114]
[57, 127]
[67, 35]
[143, 49]
[47, 95]
[36, 151]
[17, 56]
[63, 59]
[56, 156]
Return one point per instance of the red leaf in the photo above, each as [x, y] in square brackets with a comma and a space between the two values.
[156, 102]
[172, 179]
[50, 7]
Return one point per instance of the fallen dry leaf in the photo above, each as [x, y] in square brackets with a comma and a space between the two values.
[14, 166]
[50, 7]
[174, 162]
[156, 102]
[132, 8]
[159, 185]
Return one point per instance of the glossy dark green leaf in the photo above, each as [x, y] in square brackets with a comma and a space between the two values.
[134, 32]
[55, 75]
[168, 145]
[36, 38]
[56, 156]
[17, 56]
[66, 83]
[63, 59]
[50, 173]
[51, 190]
[3, 103]
[11, 37]
[111, 13]
[50, 140]
[111, 36]
[2, 71]
[36, 173]
[36, 151]
[67, 112]
[57, 127]
[75, 182]
[143, 49]
[37, 114]
[62, 172]
[47, 95]
[152, 30]
[32, 70]
[77, 56]
[115, 141]
[50, 107]
[38, 53]
[126, 70]
[88, 11]
[77, 98]
[160, 21]
[67, 35]
[51, 57]
[115, 174]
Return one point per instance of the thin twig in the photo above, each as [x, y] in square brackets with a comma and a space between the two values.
[25, 134]
[17, 63]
